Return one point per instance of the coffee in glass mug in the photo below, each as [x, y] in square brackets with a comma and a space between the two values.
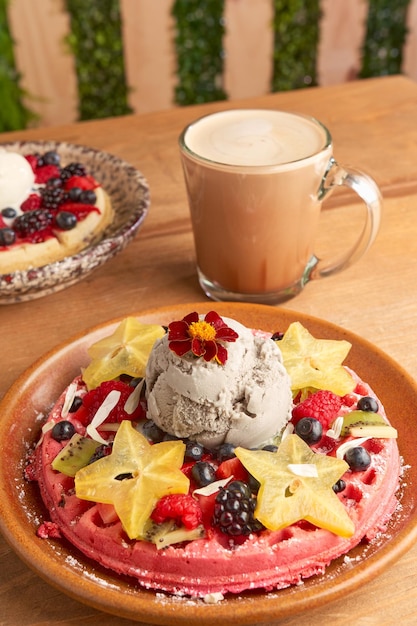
[256, 179]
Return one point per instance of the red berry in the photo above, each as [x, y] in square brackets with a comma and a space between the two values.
[82, 182]
[79, 209]
[44, 173]
[31, 203]
[32, 159]
[323, 405]
[179, 507]
[232, 468]
[95, 398]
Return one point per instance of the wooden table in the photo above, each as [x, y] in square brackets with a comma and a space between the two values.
[374, 126]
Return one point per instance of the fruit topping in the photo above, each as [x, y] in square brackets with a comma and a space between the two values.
[314, 362]
[126, 351]
[63, 430]
[309, 429]
[361, 423]
[32, 222]
[233, 510]
[367, 403]
[323, 405]
[203, 473]
[297, 484]
[155, 470]
[74, 455]
[182, 508]
[358, 458]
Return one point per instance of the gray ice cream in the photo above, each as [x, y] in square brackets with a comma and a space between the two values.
[245, 401]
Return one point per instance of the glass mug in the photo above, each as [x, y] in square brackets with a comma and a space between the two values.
[255, 180]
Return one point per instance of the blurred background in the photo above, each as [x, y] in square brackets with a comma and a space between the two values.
[67, 60]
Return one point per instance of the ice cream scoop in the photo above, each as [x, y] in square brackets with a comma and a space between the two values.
[245, 401]
[16, 179]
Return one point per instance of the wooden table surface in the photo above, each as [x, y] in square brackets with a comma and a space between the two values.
[374, 127]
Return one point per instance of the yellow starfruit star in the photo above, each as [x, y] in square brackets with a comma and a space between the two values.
[134, 477]
[126, 351]
[315, 363]
[296, 484]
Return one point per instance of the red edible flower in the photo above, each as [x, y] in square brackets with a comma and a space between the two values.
[202, 337]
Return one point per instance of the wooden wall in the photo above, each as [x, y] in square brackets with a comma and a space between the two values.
[47, 67]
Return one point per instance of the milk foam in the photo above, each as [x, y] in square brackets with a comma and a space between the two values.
[255, 137]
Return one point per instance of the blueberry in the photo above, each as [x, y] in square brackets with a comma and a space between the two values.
[367, 403]
[270, 447]
[54, 182]
[74, 194]
[66, 220]
[339, 486]
[76, 403]
[7, 236]
[63, 430]
[9, 212]
[358, 459]
[203, 473]
[51, 158]
[309, 429]
[225, 451]
[87, 196]
[153, 432]
[193, 450]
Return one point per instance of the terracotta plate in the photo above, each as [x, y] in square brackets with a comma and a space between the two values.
[62, 566]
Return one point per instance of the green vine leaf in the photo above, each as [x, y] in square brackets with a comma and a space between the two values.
[96, 42]
[296, 36]
[199, 49]
[14, 115]
[385, 37]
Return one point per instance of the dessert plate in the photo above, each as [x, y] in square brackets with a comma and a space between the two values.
[57, 562]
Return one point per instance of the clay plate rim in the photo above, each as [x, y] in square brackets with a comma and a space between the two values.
[38, 387]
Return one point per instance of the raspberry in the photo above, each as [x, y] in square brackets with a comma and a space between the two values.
[323, 405]
[95, 398]
[32, 159]
[233, 510]
[179, 507]
[44, 173]
[31, 203]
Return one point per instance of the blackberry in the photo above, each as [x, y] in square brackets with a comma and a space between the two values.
[72, 169]
[32, 221]
[52, 197]
[233, 510]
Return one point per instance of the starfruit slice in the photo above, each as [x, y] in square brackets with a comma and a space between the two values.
[297, 484]
[126, 351]
[315, 363]
[134, 477]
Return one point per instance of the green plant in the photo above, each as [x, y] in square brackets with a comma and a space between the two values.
[96, 43]
[385, 37]
[14, 115]
[199, 49]
[296, 35]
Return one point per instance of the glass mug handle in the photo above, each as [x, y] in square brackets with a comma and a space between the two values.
[366, 188]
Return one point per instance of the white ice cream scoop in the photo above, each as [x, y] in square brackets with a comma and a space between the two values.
[16, 179]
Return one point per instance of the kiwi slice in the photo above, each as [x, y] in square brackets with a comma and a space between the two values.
[75, 455]
[366, 424]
